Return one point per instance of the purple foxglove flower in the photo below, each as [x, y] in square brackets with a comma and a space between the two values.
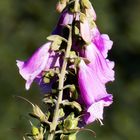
[66, 18]
[102, 41]
[41, 60]
[93, 93]
[101, 66]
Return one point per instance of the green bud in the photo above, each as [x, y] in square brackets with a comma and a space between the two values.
[56, 45]
[37, 134]
[37, 113]
[68, 137]
[72, 54]
[51, 73]
[46, 74]
[35, 131]
[72, 88]
[70, 122]
[46, 80]
[73, 92]
[61, 112]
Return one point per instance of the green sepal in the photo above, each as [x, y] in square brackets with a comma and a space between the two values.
[61, 113]
[73, 92]
[73, 105]
[35, 131]
[56, 37]
[56, 41]
[71, 136]
[56, 45]
[70, 123]
[46, 80]
[38, 114]
[77, 61]
[48, 99]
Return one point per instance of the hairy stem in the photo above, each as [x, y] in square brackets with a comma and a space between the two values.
[60, 86]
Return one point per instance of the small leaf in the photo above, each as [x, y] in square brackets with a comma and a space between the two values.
[54, 37]
[76, 105]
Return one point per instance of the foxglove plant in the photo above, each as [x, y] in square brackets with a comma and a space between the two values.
[72, 69]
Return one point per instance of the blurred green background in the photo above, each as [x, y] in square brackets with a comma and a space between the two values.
[24, 25]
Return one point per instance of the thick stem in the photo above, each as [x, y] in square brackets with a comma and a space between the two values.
[60, 87]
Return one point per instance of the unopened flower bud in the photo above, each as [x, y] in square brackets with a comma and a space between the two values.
[37, 134]
[72, 88]
[68, 137]
[37, 113]
[61, 112]
[35, 131]
[70, 122]
[46, 80]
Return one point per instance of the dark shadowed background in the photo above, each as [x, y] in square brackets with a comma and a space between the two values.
[24, 25]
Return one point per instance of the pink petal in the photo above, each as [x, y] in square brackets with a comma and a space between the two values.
[95, 111]
[85, 31]
[102, 42]
[31, 68]
[100, 66]
[91, 88]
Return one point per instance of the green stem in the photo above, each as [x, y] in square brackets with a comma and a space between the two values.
[60, 87]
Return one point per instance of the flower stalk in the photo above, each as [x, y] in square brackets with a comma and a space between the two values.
[60, 87]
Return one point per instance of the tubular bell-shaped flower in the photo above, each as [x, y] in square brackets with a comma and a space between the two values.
[93, 93]
[101, 66]
[66, 18]
[72, 70]
[102, 41]
[40, 61]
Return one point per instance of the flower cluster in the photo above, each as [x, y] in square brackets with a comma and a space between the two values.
[87, 61]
